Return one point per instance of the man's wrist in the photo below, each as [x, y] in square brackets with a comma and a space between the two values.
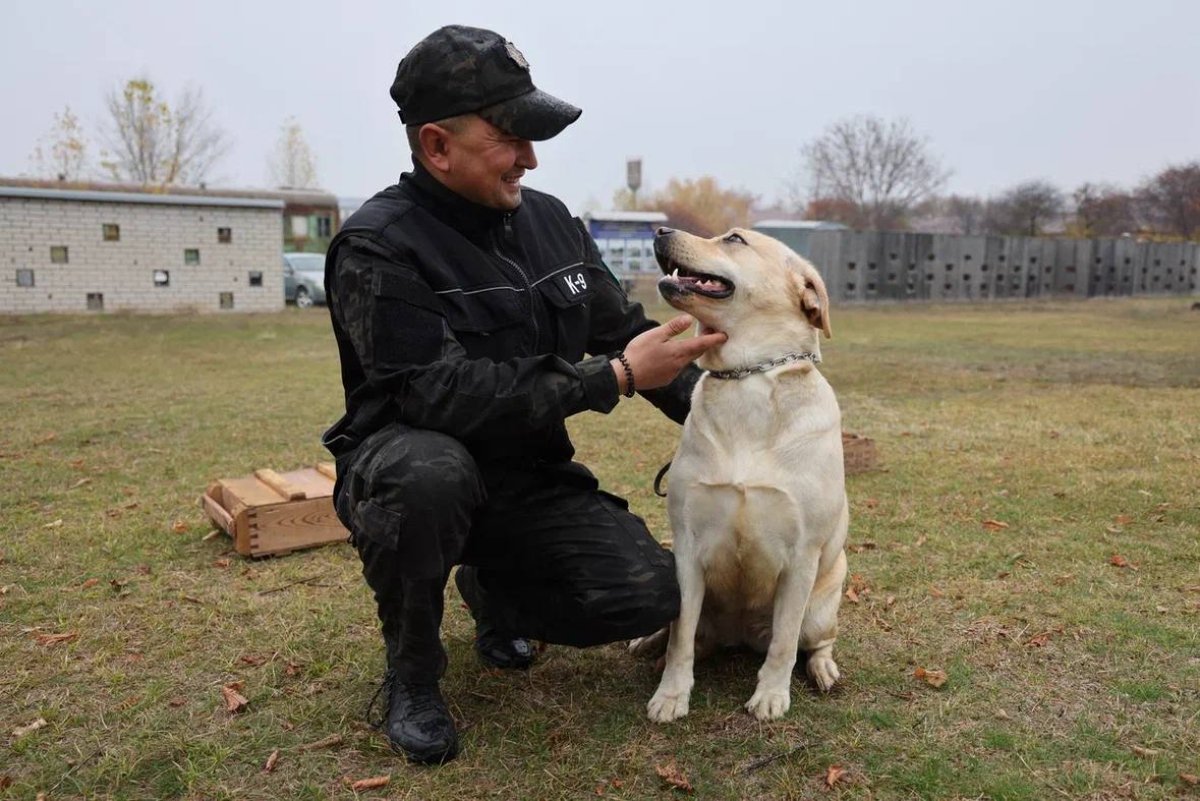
[624, 372]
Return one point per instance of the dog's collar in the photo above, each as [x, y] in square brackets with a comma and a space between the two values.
[738, 373]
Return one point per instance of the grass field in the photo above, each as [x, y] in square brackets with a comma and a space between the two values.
[1067, 628]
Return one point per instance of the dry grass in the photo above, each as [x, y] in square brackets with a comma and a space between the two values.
[1067, 676]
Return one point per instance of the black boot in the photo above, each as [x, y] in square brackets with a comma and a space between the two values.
[418, 724]
[495, 647]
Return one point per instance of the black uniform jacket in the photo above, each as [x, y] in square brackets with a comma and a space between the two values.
[454, 317]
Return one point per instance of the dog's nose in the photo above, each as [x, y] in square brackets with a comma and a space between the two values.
[664, 231]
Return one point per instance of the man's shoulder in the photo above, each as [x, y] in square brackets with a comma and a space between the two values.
[381, 209]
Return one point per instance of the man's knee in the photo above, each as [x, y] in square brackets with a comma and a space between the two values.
[412, 492]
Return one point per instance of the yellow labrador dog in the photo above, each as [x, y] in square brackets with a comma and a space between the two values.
[757, 497]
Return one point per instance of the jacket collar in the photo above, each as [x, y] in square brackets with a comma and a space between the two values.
[452, 208]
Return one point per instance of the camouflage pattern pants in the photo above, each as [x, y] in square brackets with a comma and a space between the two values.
[559, 559]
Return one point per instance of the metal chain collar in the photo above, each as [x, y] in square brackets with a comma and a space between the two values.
[762, 367]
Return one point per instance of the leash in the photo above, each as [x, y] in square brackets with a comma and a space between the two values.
[662, 472]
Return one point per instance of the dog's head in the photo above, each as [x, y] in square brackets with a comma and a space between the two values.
[740, 281]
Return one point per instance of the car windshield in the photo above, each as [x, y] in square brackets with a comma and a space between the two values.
[307, 262]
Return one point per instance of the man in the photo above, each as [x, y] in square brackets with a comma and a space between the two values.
[463, 307]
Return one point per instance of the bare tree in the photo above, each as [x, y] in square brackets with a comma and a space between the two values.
[1172, 200]
[883, 169]
[293, 164]
[62, 154]
[966, 212]
[699, 206]
[1103, 210]
[152, 143]
[1025, 209]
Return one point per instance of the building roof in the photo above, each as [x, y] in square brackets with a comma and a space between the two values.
[627, 216]
[803, 225]
[171, 195]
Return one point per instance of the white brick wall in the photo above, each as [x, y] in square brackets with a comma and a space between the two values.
[153, 237]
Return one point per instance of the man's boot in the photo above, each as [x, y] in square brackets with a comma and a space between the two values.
[418, 724]
[495, 647]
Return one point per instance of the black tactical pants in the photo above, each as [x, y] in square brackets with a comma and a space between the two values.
[558, 559]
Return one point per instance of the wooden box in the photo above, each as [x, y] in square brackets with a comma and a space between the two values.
[269, 513]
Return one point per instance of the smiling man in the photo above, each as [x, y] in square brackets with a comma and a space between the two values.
[472, 317]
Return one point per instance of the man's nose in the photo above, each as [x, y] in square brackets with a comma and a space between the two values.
[526, 159]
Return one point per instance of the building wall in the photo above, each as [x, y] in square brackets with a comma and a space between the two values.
[152, 237]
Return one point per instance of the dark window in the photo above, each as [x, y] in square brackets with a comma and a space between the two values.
[58, 254]
[112, 232]
[255, 278]
[191, 256]
[24, 277]
[225, 235]
[226, 300]
[324, 226]
[95, 301]
[162, 278]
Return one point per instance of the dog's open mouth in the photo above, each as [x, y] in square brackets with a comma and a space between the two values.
[682, 280]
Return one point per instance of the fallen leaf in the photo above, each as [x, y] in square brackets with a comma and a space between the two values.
[45, 438]
[252, 659]
[1116, 560]
[179, 527]
[936, 593]
[142, 570]
[53, 523]
[21, 731]
[1002, 714]
[81, 482]
[1161, 609]
[995, 525]
[871, 503]
[1038, 640]
[221, 563]
[92, 582]
[1053, 434]
[890, 601]
[1122, 520]
[271, 760]
[371, 783]
[234, 701]
[55, 639]
[292, 669]
[1143, 751]
[934, 678]
[177, 701]
[851, 595]
[1190, 778]
[921, 540]
[5, 781]
[671, 774]
[833, 775]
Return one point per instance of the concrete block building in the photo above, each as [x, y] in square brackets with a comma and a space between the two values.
[117, 248]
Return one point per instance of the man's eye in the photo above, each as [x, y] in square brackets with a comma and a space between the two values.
[735, 238]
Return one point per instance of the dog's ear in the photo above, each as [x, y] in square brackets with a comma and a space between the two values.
[813, 298]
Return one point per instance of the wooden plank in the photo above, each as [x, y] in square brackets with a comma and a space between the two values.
[277, 482]
[328, 470]
[312, 483]
[217, 513]
[247, 491]
[290, 526]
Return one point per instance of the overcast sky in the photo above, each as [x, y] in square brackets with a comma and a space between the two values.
[1005, 90]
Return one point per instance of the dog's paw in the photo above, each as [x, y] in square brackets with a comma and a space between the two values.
[769, 704]
[666, 706]
[823, 671]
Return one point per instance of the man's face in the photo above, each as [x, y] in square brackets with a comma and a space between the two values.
[486, 164]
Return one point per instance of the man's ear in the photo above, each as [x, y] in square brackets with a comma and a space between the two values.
[435, 146]
[813, 298]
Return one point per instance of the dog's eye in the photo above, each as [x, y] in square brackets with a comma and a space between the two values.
[735, 238]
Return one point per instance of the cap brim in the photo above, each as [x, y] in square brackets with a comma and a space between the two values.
[535, 115]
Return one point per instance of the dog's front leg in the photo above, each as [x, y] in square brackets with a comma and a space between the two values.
[670, 700]
[773, 695]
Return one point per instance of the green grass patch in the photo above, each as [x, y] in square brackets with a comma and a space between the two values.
[1071, 673]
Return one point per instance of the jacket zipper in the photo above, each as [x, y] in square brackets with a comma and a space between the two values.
[508, 234]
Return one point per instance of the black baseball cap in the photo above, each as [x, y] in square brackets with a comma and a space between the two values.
[459, 70]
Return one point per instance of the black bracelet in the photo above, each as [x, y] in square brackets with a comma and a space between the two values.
[620, 356]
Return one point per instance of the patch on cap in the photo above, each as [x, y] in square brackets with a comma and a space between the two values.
[516, 55]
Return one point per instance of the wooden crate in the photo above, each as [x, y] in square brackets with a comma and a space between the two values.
[269, 513]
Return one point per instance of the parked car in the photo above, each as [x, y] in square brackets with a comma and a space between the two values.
[304, 278]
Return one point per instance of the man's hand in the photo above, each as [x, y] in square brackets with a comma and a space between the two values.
[656, 358]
